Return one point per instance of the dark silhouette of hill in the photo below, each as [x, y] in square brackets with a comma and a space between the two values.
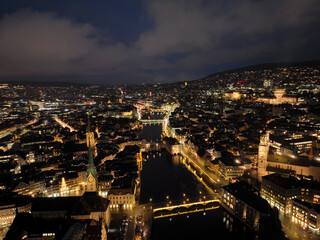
[47, 83]
[268, 66]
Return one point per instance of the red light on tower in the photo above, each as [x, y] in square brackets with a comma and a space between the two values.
[241, 82]
[150, 94]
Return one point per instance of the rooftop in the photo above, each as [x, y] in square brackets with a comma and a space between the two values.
[294, 160]
[284, 181]
[245, 192]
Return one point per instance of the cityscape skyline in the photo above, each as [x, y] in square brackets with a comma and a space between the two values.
[159, 119]
[234, 154]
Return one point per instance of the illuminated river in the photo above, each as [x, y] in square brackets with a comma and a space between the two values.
[164, 175]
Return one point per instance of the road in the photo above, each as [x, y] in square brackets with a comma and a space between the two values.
[118, 217]
[294, 232]
[63, 124]
[8, 131]
[216, 180]
[131, 227]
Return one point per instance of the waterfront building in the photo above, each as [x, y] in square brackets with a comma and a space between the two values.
[121, 198]
[240, 199]
[279, 190]
[122, 193]
[231, 168]
[172, 145]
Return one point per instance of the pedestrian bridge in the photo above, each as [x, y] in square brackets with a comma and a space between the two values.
[185, 208]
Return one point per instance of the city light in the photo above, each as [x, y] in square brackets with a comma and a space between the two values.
[120, 151]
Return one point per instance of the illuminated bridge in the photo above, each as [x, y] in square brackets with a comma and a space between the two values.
[186, 207]
[151, 121]
[151, 146]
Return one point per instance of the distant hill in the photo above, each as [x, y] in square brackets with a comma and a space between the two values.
[269, 66]
[47, 83]
[258, 74]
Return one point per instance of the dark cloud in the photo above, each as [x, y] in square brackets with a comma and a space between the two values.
[187, 37]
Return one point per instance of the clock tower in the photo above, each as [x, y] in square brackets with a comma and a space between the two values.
[92, 176]
[263, 155]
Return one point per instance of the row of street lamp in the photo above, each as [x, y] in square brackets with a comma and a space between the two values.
[184, 202]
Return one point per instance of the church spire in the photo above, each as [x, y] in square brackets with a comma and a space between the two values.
[91, 168]
[92, 178]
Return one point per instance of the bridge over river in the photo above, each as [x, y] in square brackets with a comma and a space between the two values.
[181, 206]
[186, 207]
[151, 121]
[174, 200]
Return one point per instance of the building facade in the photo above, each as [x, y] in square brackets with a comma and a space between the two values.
[306, 215]
[279, 97]
[279, 190]
[241, 201]
[231, 168]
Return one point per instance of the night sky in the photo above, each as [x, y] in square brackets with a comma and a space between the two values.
[132, 41]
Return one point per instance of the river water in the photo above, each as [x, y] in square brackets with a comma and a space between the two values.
[163, 179]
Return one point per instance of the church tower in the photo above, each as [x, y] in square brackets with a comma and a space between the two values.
[90, 139]
[263, 155]
[92, 176]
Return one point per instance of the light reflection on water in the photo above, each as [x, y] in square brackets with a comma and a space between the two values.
[165, 176]
[215, 224]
